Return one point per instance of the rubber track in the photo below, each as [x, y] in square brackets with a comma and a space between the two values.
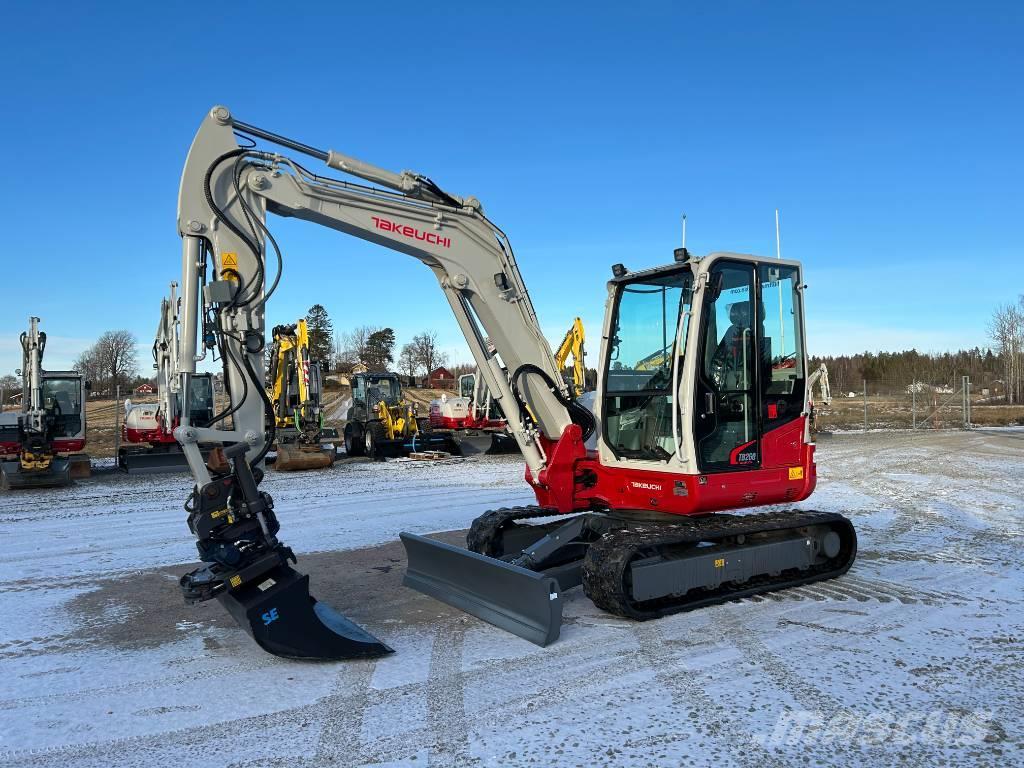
[486, 532]
[606, 564]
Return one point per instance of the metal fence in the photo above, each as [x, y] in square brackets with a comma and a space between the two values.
[868, 404]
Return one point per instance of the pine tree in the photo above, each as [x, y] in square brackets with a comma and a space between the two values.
[379, 352]
[321, 335]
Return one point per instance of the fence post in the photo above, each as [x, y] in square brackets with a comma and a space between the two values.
[865, 405]
[967, 402]
[913, 403]
[117, 423]
[963, 401]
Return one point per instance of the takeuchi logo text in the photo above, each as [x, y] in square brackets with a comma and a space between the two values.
[411, 232]
[645, 486]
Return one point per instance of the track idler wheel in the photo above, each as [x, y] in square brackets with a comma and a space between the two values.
[285, 620]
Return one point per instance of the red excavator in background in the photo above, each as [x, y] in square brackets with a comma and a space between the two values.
[40, 446]
[148, 428]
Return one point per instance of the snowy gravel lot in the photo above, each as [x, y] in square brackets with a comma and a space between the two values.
[916, 657]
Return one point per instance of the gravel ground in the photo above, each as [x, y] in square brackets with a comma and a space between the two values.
[913, 658]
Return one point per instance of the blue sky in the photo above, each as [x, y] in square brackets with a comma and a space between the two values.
[889, 135]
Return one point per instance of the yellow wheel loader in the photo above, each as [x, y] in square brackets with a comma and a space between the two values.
[381, 424]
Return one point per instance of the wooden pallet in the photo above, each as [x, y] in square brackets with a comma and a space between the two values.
[429, 455]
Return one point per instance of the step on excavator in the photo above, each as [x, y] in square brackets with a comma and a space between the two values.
[40, 446]
[148, 428]
[698, 411]
[296, 385]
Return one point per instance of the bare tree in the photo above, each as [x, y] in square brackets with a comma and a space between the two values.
[426, 351]
[116, 357]
[407, 361]
[1007, 329]
[10, 385]
[353, 344]
[88, 365]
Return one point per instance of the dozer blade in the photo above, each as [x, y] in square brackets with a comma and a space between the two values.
[520, 601]
[502, 443]
[57, 476]
[292, 458]
[81, 466]
[285, 620]
[153, 463]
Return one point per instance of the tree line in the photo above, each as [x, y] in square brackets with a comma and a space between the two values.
[897, 370]
[372, 346]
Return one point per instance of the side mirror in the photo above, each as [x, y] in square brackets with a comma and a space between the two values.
[715, 286]
[88, 386]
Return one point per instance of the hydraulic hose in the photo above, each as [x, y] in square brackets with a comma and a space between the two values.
[577, 413]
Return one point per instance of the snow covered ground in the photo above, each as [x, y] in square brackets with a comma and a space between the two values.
[916, 657]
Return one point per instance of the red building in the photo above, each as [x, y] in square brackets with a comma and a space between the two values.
[441, 378]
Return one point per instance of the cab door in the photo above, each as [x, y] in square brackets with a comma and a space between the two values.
[751, 378]
[727, 428]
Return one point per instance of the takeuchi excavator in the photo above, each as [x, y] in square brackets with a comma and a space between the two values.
[40, 446]
[148, 428]
[719, 423]
[296, 385]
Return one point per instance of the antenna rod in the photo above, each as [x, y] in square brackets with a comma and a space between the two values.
[778, 241]
[684, 230]
[778, 255]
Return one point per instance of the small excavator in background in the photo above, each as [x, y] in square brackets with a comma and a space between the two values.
[296, 386]
[701, 408]
[382, 424]
[147, 431]
[473, 412]
[40, 446]
[572, 346]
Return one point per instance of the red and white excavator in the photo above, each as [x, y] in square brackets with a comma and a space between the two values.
[697, 411]
[474, 412]
[40, 446]
[147, 432]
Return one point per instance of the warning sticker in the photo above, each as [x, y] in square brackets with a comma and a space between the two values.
[229, 261]
[235, 580]
[796, 473]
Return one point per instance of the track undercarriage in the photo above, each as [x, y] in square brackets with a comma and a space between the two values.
[636, 565]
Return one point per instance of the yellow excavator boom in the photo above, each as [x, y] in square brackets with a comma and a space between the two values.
[572, 345]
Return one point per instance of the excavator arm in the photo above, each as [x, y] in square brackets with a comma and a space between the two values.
[231, 266]
[225, 193]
